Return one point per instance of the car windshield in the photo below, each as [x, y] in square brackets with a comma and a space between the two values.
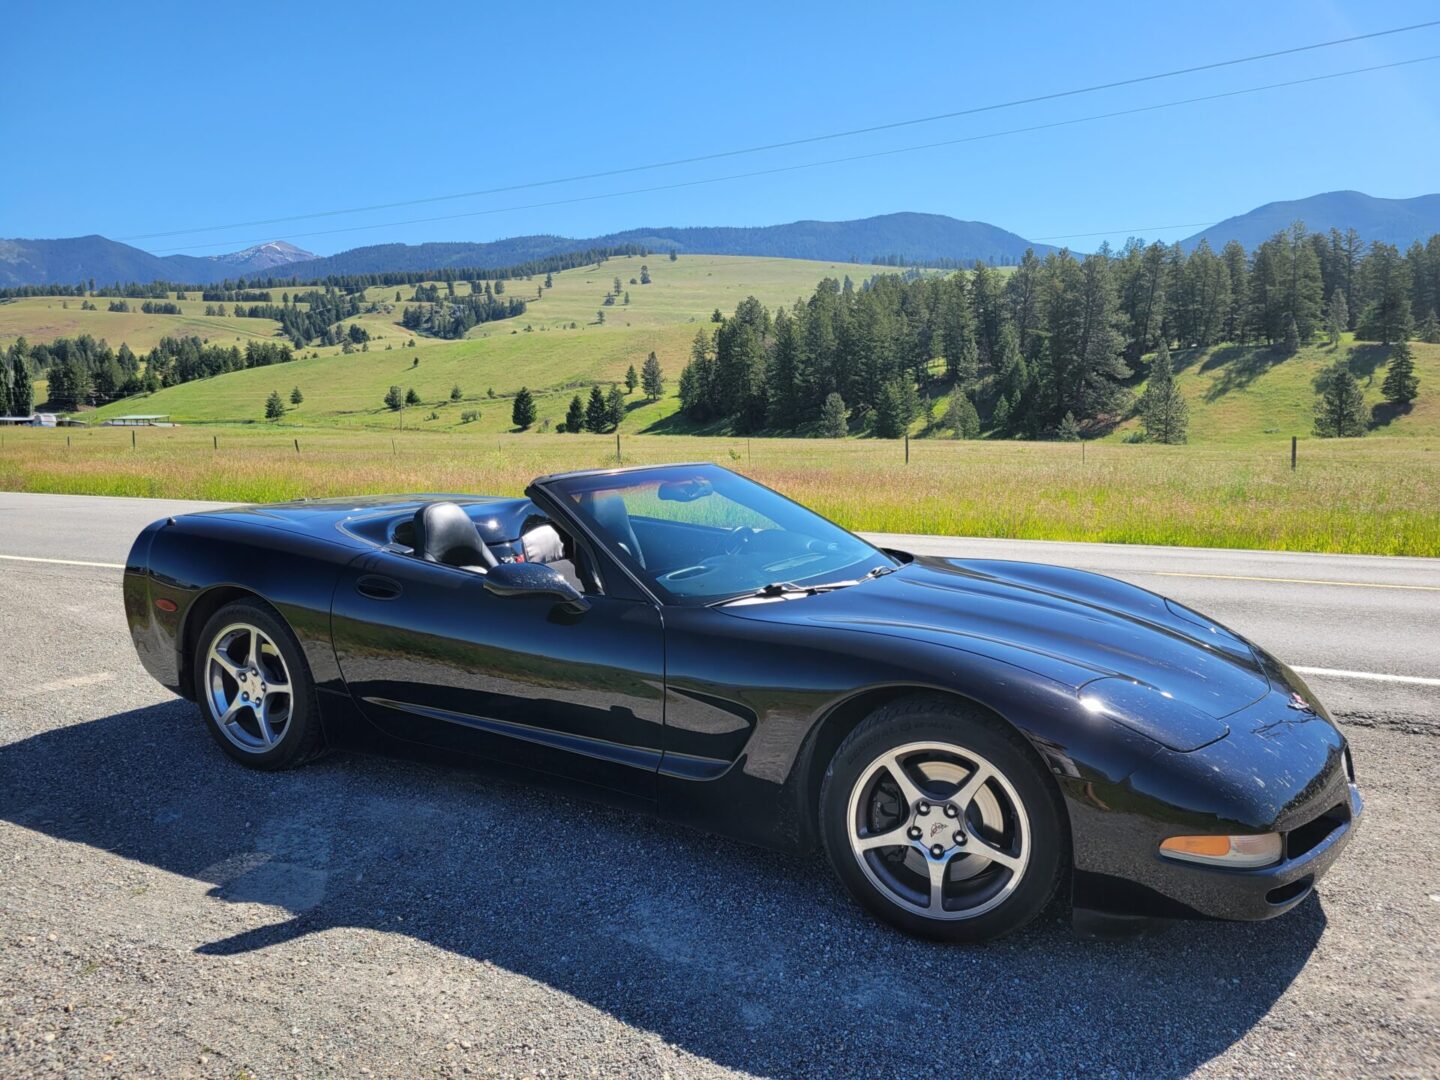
[697, 534]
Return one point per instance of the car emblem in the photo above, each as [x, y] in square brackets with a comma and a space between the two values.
[1298, 702]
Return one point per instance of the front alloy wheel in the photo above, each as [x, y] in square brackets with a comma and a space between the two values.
[939, 829]
[939, 817]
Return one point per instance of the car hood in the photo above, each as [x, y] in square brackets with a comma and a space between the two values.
[1069, 625]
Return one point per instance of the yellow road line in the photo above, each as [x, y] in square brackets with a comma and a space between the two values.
[1291, 580]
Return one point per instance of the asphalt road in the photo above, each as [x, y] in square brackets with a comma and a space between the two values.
[165, 912]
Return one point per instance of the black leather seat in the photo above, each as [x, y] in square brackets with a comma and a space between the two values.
[608, 510]
[445, 534]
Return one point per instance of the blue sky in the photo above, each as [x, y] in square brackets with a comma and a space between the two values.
[172, 118]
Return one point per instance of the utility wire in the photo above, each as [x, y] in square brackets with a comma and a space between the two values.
[797, 142]
[826, 162]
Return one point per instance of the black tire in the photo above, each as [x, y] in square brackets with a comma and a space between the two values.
[302, 738]
[931, 719]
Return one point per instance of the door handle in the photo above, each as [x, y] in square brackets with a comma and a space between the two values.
[377, 588]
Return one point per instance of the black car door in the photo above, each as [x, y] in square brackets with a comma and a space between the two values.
[432, 657]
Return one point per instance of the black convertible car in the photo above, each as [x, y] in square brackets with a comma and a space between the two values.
[962, 737]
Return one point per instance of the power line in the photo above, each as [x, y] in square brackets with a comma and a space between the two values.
[818, 164]
[796, 142]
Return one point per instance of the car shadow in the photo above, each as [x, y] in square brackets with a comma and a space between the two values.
[751, 959]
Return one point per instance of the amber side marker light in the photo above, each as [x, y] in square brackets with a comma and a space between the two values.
[1262, 849]
[166, 605]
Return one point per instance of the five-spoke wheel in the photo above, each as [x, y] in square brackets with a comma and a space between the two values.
[939, 818]
[254, 687]
[939, 829]
[249, 691]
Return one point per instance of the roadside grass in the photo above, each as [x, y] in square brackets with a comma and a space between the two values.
[1379, 495]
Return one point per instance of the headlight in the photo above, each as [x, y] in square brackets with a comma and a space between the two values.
[1260, 849]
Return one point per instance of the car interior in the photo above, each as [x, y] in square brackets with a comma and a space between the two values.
[444, 533]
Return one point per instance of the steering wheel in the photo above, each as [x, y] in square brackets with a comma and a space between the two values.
[737, 538]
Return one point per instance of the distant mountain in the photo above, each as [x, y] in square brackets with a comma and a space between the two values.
[1394, 221]
[263, 257]
[80, 258]
[913, 238]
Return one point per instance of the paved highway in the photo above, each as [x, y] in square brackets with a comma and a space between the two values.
[165, 912]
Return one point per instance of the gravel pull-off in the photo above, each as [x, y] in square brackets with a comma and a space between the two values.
[164, 912]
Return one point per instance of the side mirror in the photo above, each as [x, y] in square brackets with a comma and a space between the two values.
[534, 579]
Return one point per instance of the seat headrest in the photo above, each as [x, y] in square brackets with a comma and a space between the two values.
[542, 544]
[445, 534]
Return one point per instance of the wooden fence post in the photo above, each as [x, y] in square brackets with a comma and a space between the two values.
[1294, 443]
[297, 446]
[617, 448]
[907, 448]
[132, 438]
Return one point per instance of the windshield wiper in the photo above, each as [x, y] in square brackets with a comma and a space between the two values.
[789, 588]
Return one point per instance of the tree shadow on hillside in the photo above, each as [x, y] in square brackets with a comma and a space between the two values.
[1385, 413]
[1239, 366]
[1365, 359]
[751, 959]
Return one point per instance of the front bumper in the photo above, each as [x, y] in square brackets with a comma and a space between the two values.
[1276, 771]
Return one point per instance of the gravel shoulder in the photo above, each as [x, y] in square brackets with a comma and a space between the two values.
[164, 912]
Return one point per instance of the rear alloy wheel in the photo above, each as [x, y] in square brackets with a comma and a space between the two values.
[254, 688]
[942, 823]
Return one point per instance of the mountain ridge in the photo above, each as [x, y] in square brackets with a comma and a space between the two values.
[1391, 221]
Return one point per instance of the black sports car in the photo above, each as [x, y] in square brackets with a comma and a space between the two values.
[962, 737]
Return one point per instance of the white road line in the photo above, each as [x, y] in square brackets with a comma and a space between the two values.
[1373, 676]
[63, 562]
[1289, 580]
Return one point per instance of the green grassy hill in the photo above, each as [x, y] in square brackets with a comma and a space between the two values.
[1248, 394]
[556, 348]
[1236, 394]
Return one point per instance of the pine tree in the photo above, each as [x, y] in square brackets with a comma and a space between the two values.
[575, 416]
[296, 397]
[4, 389]
[395, 398]
[631, 379]
[1429, 330]
[22, 387]
[1400, 384]
[274, 406]
[600, 317]
[1339, 412]
[411, 397]
[1000, 418]
[1291, 343]
[596, 415]
[614, 406]
[890, 419]
[1337, 316]
[833, 423]
[1163, 409]
[1386, 277]
[961, 418]
[644, 274]
[522, 413]
[456, 393]
[652, 377]
[1069, 430]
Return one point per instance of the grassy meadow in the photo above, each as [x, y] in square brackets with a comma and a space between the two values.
[1374, 495]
